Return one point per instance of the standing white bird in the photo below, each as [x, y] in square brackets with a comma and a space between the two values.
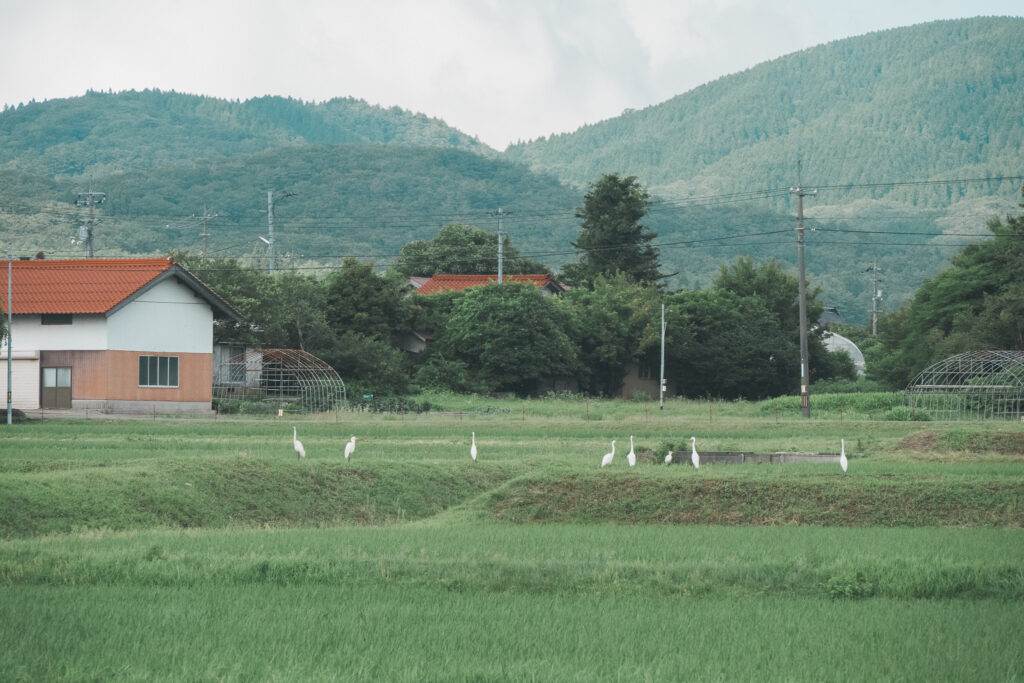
[350, 447]
[842, 454]
[472, 449]
[607, 459]
[694, 456]
[297, 444]
[631, 456]
[668, 458]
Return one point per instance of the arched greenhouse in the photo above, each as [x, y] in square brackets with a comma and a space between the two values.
[288, 377]
[973, 385]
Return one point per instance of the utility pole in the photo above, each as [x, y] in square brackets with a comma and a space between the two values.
[500, 214]
[500, 245]
[10, 348]
[270, 230]
[90, 199]
[876, 296]
[270, 226]
[661, 384]
[206, 216]
[805, 369]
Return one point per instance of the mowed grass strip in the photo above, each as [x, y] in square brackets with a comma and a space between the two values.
[239, 491]
[828, 501]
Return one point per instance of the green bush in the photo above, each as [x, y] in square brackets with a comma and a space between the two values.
[233, 407]
[369, 403]
[905, 414]
[849, 587]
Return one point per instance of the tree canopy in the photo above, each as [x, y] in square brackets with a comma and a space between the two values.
[976, 303]
[612, 240]
[510, 336]
[463, 250]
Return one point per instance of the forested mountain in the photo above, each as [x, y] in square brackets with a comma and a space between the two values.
[937, 100]
[104, 133]
[879, 122]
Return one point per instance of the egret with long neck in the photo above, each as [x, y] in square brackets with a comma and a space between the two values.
[607, 459]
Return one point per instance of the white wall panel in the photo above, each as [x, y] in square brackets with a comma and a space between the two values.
[24, 379]
[85, 333]
[167, 318]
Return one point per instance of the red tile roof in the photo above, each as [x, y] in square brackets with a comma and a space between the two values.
[77, 286]
[455, 283]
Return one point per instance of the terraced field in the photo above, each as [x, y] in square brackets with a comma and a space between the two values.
[207, 550]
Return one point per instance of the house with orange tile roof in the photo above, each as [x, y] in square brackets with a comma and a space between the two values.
[113, 335]
[454, 283]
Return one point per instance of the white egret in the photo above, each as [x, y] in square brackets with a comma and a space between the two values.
[668, 458]
[296, 443]
[631, 456]
[607, 459]
[350, 447]
[472, 449]
[694, 456]
[842, 454]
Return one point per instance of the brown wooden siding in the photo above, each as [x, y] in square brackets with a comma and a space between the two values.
[195, 378]
[114, 375]
[88, 371]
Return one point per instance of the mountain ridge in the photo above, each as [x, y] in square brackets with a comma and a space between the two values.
[941, 101]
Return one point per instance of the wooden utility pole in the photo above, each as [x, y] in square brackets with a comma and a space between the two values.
[805, 369]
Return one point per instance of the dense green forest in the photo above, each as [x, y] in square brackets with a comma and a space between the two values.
[937, 100]
[100, 134]
[913, 105]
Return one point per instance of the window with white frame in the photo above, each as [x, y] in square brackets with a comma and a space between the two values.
[158, 371]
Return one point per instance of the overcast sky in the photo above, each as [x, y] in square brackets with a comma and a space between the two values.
[503, 70]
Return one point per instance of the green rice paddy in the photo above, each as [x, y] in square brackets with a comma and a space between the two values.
[185, 550]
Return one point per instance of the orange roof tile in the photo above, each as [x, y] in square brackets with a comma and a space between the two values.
[455, 283]
[77, 286]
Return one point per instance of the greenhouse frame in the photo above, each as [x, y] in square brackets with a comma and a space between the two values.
[290, 377]
[978, 385]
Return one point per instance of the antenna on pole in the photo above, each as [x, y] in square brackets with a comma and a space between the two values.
[805, 370]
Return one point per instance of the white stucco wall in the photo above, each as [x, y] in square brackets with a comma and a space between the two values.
[167, 318]
[85, 333]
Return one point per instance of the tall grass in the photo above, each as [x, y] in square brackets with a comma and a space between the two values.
[395, 633]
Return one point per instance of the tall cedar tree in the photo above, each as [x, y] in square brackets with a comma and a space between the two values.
[612, 240]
